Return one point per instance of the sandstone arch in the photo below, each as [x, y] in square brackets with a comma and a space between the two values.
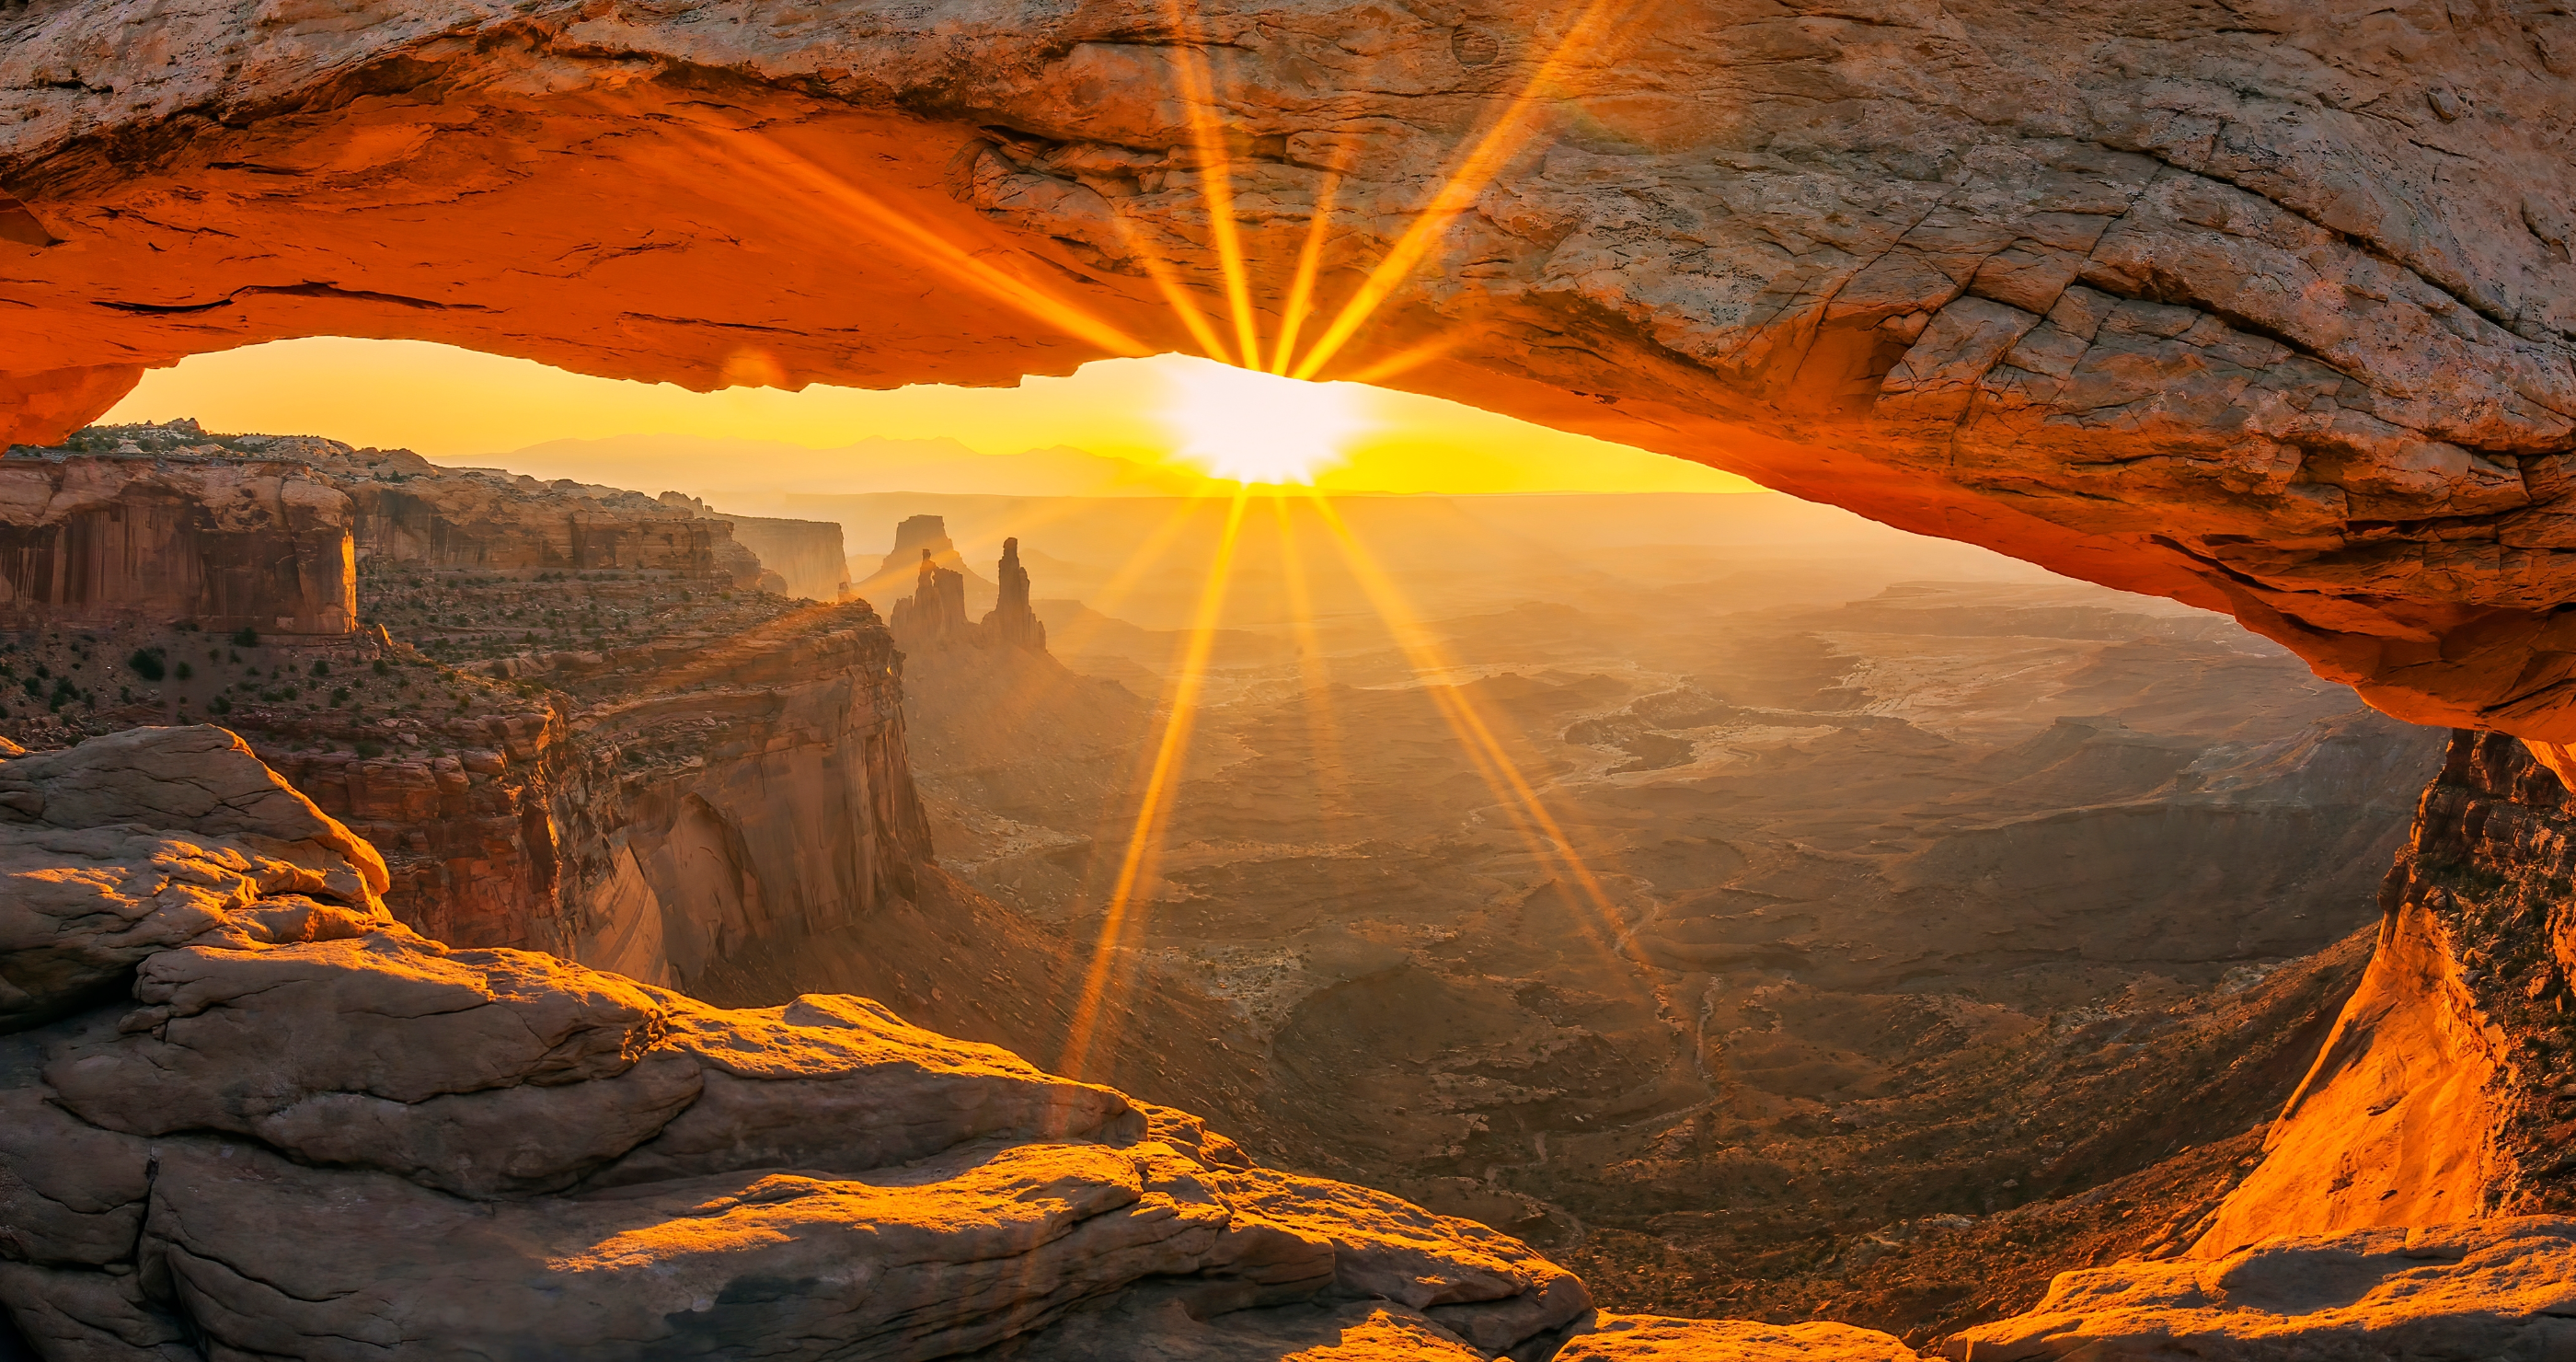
[2265, 307]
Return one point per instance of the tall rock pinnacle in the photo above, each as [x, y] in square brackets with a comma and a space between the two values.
[935, 611]
[1012, 623]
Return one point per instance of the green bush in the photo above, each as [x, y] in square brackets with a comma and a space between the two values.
[370, 750]
[184, 671]
[146, 663]
[321, 668]
[246, 637]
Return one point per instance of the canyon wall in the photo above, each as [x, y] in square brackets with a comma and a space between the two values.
[806, 554]
[411, 511]
[651, 808]
[221, 543]
[761, 791]
[2447, 1090]
[751, 789]
[2263, 307]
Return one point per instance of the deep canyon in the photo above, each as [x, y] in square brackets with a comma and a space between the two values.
[448, 914]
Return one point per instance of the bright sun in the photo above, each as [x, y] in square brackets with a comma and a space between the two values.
[1257, 427]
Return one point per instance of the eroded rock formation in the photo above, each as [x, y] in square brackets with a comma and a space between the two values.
[806, 554]
[2446, 1092]
[223, 543]
[1012, 623]
[934, 615]
[935, 612]
[2499, 1288]
[311, 1130]
[2265, 309]
[658, 804]
[898, 574]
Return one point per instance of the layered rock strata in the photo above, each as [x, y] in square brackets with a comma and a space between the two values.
[223, 543]
[313, 1133]
[668, 809]
[307, 1131]
[653, 807]
[2268, 313]
[759, 790]
[935, 612]
[805, 554]
[898, 574]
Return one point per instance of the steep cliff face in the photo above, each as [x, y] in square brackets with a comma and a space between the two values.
[759, 792]
[225, 543]
[806, 554]
[2448, 1088]
[411, 511]
[734, 771]
[658, 817]
[2266, 307]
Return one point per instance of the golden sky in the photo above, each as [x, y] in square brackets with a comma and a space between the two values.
[456, 405]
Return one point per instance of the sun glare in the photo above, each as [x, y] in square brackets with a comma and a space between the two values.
[1254, 427]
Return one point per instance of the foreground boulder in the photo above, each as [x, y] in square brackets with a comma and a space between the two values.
[2501, 1288]
[245, 1114]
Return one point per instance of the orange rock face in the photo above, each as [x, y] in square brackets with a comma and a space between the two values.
[2269, 315]
[2443, 1093]
[223, 544]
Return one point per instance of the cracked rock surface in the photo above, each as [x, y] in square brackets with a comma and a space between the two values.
[307, 1131]
[2503, 1288]
[2265, 306]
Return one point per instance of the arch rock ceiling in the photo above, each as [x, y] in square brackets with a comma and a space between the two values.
[2265, 306]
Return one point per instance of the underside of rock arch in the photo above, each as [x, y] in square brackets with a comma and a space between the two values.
[2265, 307]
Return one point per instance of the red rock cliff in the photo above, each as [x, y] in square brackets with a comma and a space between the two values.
[2448, 1089]
[223, 543]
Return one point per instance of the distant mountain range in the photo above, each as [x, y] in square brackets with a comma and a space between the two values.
[717, 468]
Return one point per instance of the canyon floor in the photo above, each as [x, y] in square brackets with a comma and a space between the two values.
[1768, 929]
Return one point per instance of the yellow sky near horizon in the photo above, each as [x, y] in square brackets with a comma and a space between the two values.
[451, 405]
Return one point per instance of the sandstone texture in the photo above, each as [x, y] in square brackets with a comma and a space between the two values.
[2503, 1288]
[1646, 1338]
[693, 763]
[225, 544]
[313, 1133]
[148, 840]
[2445, 1092]
[2266, 309]
[410, 511]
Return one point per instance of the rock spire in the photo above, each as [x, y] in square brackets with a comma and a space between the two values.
[1012, 623]
[937, 608]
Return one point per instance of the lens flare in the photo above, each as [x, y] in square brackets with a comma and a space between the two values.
[1254, 427]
